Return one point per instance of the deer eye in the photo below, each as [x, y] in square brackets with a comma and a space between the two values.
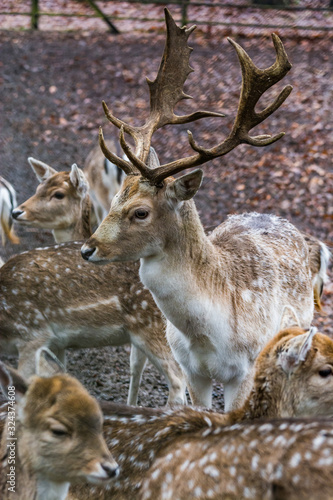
[325, 372]
[58, 195]
[59, 431]
[141, 213]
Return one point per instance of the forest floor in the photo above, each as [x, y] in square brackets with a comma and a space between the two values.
[51, 88]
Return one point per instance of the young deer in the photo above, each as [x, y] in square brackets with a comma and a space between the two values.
[52, 310]
[105, 179]
[7, 203]
[294, 378]
[221, 294]
[55, 436]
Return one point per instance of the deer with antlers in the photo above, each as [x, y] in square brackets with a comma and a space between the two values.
[50, 297]
[222, 294]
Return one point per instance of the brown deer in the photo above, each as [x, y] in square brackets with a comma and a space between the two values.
[61, 203]
[7, 203]
[293, 378]
[104, 178]
[53, 435]
[222, 294]
[51, 298]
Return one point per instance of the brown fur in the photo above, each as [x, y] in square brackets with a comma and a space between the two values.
[57, 402]
[110, 302]
[245, 271]
[104, 305]
[45, 211]
[103, 185]
[145, 440]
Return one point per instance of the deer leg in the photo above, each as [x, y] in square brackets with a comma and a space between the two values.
[200, 389]
[236, 391]
[27, 351]
[174, 376]
[137, 363]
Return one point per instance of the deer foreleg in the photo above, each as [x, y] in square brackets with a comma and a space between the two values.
[137, 363]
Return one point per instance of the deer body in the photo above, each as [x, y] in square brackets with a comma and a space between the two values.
[50, 297]
[105, 179]
[189, 453]
[7, 203]
[114, 309]
[222, 295]
[58, 438]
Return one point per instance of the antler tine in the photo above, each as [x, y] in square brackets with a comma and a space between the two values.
[255, 82]
[120, 162]
[165, 92]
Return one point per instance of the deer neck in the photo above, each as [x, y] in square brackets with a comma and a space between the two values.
[49, 490]
[266, 400]
[80, 229]
[184, 269]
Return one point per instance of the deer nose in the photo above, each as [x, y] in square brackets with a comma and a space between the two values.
[111, 470]
[87, 252]
[16, 213]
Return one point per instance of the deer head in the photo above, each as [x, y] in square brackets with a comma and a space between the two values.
[59, 427]
[60, 203]
[151, 201]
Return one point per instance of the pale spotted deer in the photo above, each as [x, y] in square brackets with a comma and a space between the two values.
[202, 450]
[7, 203]
[222, 294]
[53, 435]
[50, 297]
[105, 179]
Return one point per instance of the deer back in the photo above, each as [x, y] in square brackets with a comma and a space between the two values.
[52, 289]
[104, 177]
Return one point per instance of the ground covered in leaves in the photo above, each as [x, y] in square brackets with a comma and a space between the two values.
[51, 88]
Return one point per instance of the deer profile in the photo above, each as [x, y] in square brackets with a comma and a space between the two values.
[222, 294]
[7, 203]
[50, 297]
[57, 437]
[61, 203]
[293, 378]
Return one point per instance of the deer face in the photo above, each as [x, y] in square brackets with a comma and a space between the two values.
[143, 219]
[57, 201]
[62, 434]
[55, 205]
[307, 361]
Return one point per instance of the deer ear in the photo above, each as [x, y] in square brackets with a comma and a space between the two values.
[185, 187]
[11, 378]
[41, 169]
[289, 318]
[47, 363]
[79, 180]
[296, 350]
[152, 160]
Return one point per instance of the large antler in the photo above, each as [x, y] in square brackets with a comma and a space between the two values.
[165, 92]
[255, 82]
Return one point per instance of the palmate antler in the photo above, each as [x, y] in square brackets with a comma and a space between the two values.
[167, 90]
